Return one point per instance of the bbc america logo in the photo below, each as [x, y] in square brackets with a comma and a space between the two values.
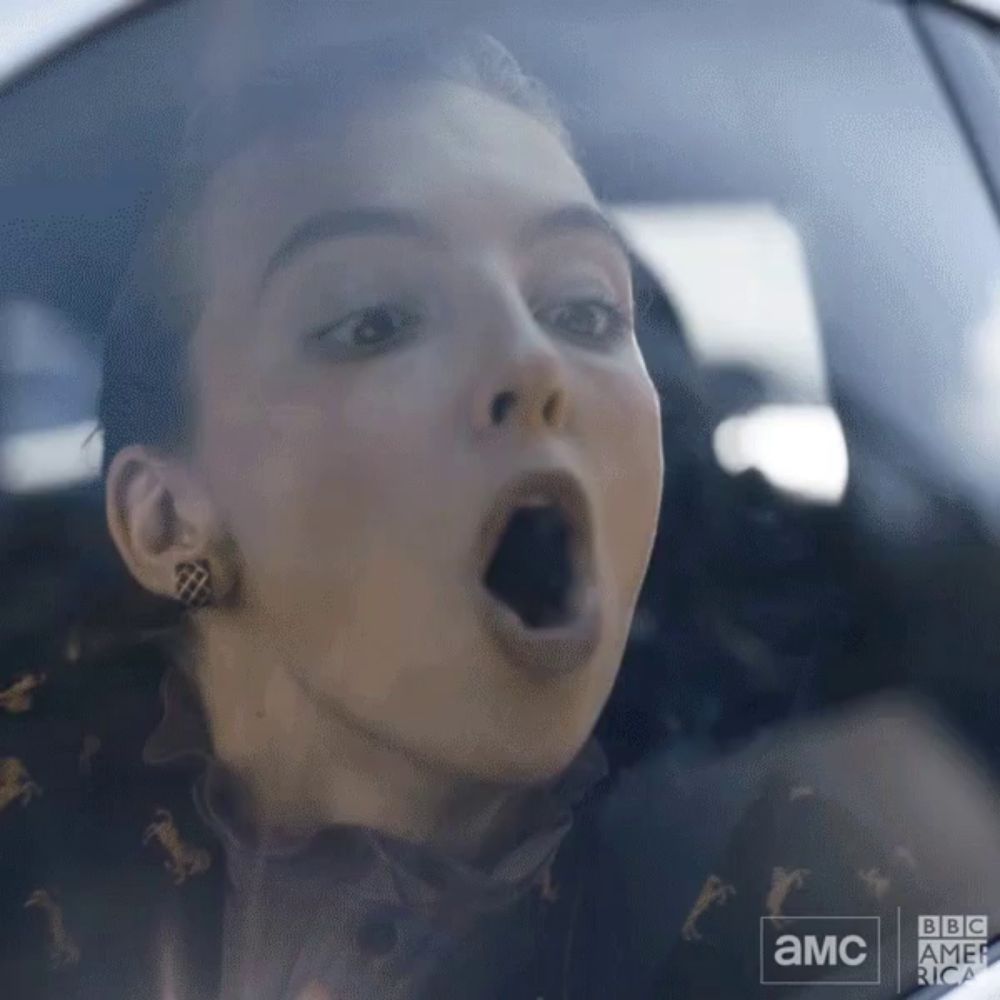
[951, 949]
[802, 951]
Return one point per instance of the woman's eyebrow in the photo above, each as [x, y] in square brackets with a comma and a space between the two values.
[337, 224]
[368, 220]
[571, 218]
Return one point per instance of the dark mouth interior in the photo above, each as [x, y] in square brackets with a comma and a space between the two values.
[532, 569]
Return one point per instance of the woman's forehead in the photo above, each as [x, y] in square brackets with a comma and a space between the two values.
[462, 160]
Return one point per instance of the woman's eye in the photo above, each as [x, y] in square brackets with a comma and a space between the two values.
[369, 328]
[587, 319]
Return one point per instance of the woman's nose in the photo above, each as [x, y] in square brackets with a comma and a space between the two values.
[528, 394]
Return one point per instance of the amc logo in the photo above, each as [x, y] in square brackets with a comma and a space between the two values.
[803, 951]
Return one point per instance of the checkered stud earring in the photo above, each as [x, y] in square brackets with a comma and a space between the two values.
[193, 583]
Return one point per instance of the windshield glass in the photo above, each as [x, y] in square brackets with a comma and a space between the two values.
[497, 501]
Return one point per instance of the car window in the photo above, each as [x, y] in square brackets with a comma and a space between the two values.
[496, 501]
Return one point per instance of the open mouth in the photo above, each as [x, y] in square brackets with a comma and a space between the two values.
[538, 559]
[532, 568]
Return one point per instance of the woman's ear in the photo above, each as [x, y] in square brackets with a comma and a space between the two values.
[158, 517]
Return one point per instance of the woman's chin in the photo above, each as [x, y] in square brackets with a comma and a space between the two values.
[518, 764]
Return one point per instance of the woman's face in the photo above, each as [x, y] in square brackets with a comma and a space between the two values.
[425, 422]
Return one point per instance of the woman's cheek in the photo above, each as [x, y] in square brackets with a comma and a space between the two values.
[631, 472]
[624, 419]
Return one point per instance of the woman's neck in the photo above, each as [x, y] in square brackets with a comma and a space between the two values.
[306, 766]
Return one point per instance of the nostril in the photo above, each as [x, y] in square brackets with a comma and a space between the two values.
[501, 406]
[550, 411]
